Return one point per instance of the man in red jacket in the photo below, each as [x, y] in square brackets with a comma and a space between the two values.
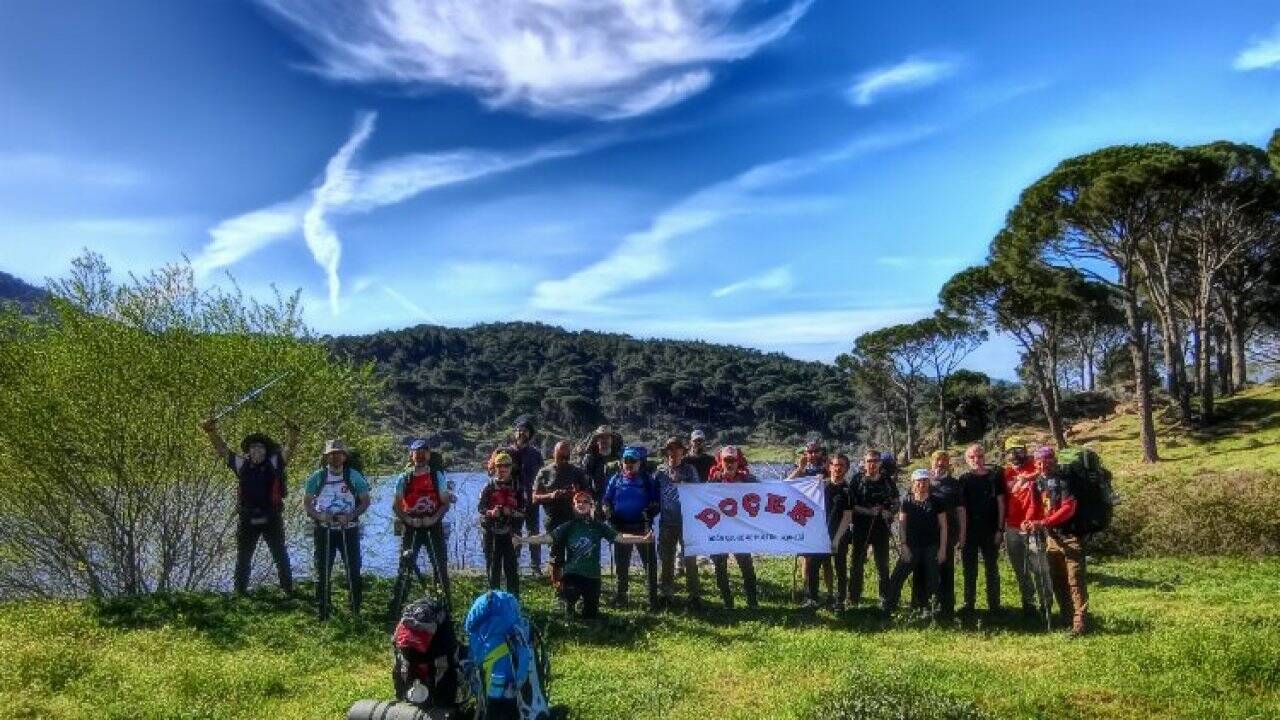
[1065, 542]
[1025, 546]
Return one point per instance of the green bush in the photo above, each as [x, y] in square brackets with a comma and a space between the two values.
[1220, 514]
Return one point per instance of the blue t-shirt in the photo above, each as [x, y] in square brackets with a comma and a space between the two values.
[331, 492]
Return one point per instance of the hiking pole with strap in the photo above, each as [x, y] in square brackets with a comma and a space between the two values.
[252, 394]
[1045, 591]
[401, 589]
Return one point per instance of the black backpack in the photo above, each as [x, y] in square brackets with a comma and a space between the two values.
[1090, 483]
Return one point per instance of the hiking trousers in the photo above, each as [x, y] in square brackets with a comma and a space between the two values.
[330, 542]
[947, 582]
[1066, 568]
[748, 570]
[433, 539]
[813, 564]
[648, 558]
[923, 570]
[982, 545]
[1030, 567]
[669, 544]
[575, 587]
[501, 559]
[249, 530]
[873, 532]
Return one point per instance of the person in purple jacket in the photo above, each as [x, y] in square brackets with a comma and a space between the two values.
[631, 502]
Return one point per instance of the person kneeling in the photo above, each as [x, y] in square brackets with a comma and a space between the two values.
[575, 555]
[922, 531]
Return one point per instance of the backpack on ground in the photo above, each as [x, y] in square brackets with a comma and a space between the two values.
[506, 664]
[426, 649]
[1090, 483]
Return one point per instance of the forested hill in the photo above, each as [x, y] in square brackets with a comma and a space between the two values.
[17, 290]
[475, 381]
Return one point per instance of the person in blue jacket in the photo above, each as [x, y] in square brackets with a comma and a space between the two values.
[631, 502]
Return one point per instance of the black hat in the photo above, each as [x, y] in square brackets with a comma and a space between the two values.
[257, 437]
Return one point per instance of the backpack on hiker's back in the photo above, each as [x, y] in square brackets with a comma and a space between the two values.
[1090, 483]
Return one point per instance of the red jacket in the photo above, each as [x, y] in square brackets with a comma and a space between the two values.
[1022, 497]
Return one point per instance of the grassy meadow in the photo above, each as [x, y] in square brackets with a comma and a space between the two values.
[1187, 628]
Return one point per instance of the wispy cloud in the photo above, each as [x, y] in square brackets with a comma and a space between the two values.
[1262, 54]
[600, 58]
[910, 74]
[779, 279]
[39, 168]
[644, 255]
[346, 189]
[907, 261]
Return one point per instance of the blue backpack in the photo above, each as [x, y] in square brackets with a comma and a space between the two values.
[506, 664]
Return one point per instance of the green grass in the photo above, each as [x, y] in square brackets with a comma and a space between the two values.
[1175, 638]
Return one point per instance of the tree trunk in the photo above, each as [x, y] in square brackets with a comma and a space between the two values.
[1175, 370]
[942, 409]
[1234, 322]
[1204, 351]
[1142, 377]
[1052, 410]
[909, 450]
[1224, 361]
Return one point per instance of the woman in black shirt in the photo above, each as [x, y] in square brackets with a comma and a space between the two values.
[922, 534]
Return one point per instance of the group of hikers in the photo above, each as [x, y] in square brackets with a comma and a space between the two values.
[616, 493]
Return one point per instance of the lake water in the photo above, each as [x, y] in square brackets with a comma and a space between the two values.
[380, 546]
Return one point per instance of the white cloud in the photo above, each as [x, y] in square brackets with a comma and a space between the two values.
[1262, 54]
[910, 74]
[37, 167]
[346, 190]
[643, 255]
[601, 58]
[336, 190]
[779, 279]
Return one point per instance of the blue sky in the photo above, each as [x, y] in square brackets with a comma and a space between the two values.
[781, 175]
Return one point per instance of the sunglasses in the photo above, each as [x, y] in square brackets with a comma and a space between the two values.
[872, 461]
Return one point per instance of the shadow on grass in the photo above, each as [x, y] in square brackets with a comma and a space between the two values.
[1101, 579]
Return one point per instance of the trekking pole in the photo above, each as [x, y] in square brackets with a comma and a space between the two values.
[1045, 591]
[346, 563]
[436, 578]
[324, 572]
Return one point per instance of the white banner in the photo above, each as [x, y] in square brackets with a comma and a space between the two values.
[769, 518]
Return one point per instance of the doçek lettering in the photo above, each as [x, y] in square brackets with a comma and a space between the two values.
[774, 504]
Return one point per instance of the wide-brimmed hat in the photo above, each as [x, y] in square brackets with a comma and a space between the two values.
[674, 441]
[257, 437]
[602, 430]
[333, 446]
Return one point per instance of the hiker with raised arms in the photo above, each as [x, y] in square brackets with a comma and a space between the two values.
[575, 555]
[260, 493]
[948, 494]
[1025, 544]
[502, 509]
[873, 499]
[1065, 540]
[423, 494]
[335, 497]
[731, 466]
[673, 472]
[922, 541]
[983, 489]
[631, 502]
[839, 515]
[528, 461]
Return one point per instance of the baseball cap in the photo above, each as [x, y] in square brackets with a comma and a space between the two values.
[919, 474]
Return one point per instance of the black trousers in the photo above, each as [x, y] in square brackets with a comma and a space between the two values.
[501, 559]
[812, 567]
[413, 540]
[251, 528]
[748, 569]
[648, 558]
[328, 543]
[947, 582]
[981, 543]
[578, 587]
[873, 532]
[923, 569]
